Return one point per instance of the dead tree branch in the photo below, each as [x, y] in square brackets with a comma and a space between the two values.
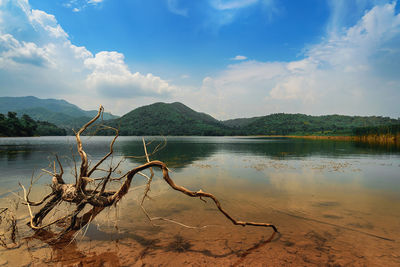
[98, 198]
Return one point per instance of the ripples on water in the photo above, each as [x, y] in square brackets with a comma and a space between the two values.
[328, 198]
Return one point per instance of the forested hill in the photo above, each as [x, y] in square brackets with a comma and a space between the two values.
[178, 119]
[300, 124]
[59, 112]
[11, 125]
[168, 119]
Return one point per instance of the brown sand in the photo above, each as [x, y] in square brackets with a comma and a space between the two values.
[320, 225]
[337, 237]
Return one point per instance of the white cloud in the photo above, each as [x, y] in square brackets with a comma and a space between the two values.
[352, 71]
[345, 13]
[224, 12]
[47, 22]
[239, 57]
[112, 77]
[231, 4]
[37, 58]
[94, 2]
[173, 6]
[355, 72]
[80, 52]
[80, 5]
[15, 52]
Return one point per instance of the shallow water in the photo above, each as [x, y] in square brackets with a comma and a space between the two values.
[334, 203]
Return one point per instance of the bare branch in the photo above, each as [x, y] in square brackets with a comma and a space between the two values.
[146, 191]
[61, 167]
[109, 153]
[125, 187]
[84, 161]
[39, 202]
[99, 198]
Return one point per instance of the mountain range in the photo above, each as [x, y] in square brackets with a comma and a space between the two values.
[59, 112]
[178, 119]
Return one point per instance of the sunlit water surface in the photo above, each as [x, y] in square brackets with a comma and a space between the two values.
[334, 202]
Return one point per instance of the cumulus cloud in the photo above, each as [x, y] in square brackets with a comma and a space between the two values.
[112, 77]
[14, 52]
[42, 21]
[345, 13]
[346, 64]
[355, 72]
[37, 58]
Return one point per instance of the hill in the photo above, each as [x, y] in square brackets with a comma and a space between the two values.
[240, 122]
[167, 119]
[300, 124]
[58, 112]
[11, 125]
[178, 119]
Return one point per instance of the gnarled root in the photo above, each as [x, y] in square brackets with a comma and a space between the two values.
[100, 198]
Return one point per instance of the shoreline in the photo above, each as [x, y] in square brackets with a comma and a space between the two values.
[375, 139]
[370, 139]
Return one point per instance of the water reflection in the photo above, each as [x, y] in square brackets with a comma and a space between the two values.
[314, 190]
[20, 156]
[183, 151]
[186, 150]
[176, 154]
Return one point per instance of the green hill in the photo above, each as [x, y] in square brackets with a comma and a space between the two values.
[239, 123]
[11, 125]
[178, 119]
[59, 112]
[300, 124]
[168, 119]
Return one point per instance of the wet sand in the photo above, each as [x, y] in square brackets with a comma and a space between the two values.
[329, 212]
[324, 229]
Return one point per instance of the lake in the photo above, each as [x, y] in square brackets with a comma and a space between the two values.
[335, 203]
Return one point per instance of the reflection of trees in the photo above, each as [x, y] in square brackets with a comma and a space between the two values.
[177, 154]
[181, 152]
[288, 148]
[11, 153]
[378, 148]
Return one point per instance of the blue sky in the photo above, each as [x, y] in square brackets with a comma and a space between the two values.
[229, 58]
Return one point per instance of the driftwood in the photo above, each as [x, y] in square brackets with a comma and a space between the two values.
[100, 197]
[8, 224]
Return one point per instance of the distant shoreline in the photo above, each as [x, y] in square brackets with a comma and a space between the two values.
[323, 137]
[376, 139]
[371, 139]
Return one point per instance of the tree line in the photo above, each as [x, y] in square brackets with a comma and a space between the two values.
[12, 125]
[393, 129]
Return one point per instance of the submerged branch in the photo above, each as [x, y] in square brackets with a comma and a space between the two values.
[98, 197]
[125, 187]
